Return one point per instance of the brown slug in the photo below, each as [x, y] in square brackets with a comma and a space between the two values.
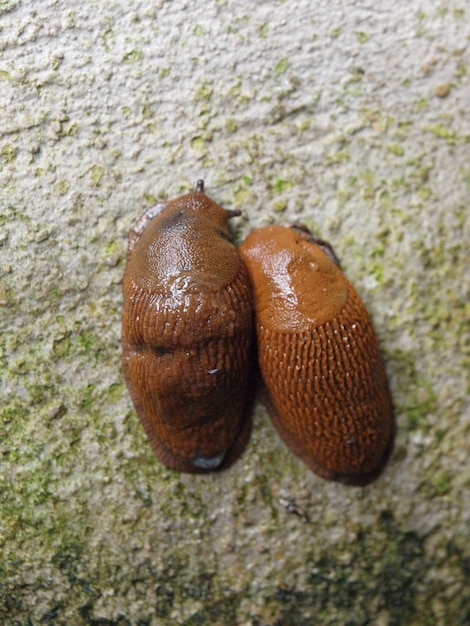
[187, 333]
[325, 380]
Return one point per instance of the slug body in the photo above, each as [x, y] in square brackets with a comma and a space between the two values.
[187, 332]
[319, 358]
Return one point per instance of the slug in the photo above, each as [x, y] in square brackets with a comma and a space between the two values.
[325, 381]
[187, 333]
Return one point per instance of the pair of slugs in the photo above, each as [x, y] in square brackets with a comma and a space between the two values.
[198, 313]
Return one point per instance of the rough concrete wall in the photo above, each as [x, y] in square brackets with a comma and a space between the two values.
[349, 115]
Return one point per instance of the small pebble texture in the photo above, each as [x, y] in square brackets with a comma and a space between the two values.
[351, 116]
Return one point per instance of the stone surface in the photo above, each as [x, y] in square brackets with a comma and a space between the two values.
[332, 113]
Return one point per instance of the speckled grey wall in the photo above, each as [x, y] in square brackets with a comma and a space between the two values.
[351, 116]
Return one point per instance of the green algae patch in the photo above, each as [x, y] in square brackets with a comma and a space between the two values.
[280, 185]
[7, 153]
[132, 57]
[281, 66]
[96, 174]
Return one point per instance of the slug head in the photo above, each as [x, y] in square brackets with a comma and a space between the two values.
[295, 280]
[184, 247]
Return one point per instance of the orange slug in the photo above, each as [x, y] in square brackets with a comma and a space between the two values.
[325, 380]
[187, 333]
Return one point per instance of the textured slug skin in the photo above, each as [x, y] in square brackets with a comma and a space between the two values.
[319, 358]
[187, 332]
